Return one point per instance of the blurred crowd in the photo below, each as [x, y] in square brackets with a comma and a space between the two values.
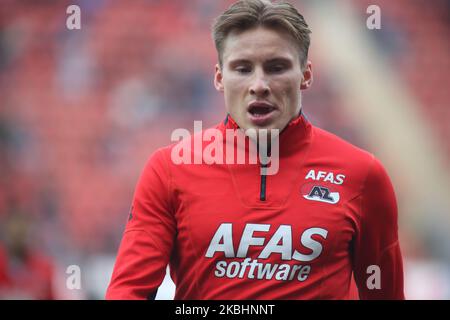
[82, 110]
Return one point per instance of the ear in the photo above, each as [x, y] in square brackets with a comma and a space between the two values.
[218, 79]
[307, 76]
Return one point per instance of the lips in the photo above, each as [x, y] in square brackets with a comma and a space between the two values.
[261, 112]
[260, 108]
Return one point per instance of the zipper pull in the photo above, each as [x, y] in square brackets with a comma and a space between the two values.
[262, 190]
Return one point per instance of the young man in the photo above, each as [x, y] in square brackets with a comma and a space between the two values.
[229, 232]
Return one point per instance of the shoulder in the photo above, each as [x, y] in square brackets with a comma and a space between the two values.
[362, 170]
[188, 148]
[327, 142]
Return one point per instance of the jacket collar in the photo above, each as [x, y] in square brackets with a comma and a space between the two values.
[292, 138]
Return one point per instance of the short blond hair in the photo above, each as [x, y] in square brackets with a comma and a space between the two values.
[247, 14]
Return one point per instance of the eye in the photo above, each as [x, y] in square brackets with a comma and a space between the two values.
[276, 68]
[243, 69]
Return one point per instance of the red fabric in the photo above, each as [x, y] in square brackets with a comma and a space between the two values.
[3, 268]
[286, 247]
[30, 278]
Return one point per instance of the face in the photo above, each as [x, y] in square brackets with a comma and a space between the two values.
[262, 78]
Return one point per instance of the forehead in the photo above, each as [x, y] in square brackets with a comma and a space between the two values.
[259, 44]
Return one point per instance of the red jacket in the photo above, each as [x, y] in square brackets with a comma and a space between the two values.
[228, 232]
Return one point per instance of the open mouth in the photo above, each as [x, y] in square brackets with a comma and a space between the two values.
[260, 110]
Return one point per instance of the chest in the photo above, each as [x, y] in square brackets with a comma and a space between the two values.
[302, 219]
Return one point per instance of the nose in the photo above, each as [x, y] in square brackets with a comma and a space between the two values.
[259, 86]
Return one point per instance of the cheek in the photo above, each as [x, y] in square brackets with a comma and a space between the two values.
[235, 84]
[288, 91]
[234, 91]
[290, 98]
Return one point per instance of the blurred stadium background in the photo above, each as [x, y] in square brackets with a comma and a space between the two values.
[82, 110]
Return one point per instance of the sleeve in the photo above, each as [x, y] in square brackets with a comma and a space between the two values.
[148, 238]
[377, 260]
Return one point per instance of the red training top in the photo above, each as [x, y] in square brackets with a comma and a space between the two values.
[229, 232]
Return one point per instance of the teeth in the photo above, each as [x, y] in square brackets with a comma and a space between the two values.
[258, 115]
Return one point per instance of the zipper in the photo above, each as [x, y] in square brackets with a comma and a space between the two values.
[262, 189]
[263, 172]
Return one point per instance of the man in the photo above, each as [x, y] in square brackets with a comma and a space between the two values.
[229, 232]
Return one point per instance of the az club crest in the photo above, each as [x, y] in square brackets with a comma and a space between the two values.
[319, 193]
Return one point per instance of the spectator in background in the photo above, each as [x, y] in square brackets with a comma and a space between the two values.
[24, 272]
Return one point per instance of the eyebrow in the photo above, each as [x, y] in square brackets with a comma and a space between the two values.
[238, 61]
[271, 61]
[279, 60]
